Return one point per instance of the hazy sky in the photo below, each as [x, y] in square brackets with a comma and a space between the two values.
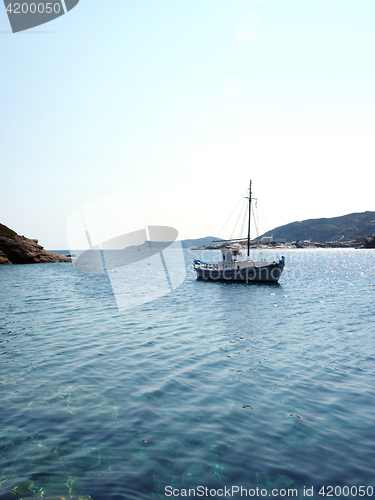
[181, 102]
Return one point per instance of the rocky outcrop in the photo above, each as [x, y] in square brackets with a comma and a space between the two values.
[15, 249]
[4, 259]
[369, 242]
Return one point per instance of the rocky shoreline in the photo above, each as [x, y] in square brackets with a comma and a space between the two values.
[368, 242]
[16, 249]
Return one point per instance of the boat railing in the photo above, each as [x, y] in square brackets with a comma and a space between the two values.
[204, 265]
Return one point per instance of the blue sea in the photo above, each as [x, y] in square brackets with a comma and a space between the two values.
[214, 390]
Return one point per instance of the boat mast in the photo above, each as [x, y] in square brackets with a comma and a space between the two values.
[248, 227]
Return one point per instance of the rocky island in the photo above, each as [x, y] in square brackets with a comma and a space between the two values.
[16, 249]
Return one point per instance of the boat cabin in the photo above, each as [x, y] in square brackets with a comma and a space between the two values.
[230, 255]
[233, 259]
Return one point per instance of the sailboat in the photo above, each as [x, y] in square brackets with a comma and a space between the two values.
[233, 267]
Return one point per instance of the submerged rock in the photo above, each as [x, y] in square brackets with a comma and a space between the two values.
[15, 249]
[194, 476]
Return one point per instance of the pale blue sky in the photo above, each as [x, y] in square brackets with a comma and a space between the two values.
[182, 102]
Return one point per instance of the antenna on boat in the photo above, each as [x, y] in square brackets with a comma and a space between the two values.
[248, 227]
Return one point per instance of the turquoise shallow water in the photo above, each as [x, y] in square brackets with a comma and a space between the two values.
[213, 385]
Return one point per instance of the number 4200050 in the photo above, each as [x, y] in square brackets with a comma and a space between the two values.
[34, 8]
[353, 491]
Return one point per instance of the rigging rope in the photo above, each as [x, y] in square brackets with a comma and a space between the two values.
[238, 218]
[232, 213]
[255, 219]
[256, 222]
[264, 224]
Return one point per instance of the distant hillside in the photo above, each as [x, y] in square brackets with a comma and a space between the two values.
[184, 243]
[344, 228]
[197, 242]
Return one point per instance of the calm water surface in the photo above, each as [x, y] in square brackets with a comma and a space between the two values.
[213, 385]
